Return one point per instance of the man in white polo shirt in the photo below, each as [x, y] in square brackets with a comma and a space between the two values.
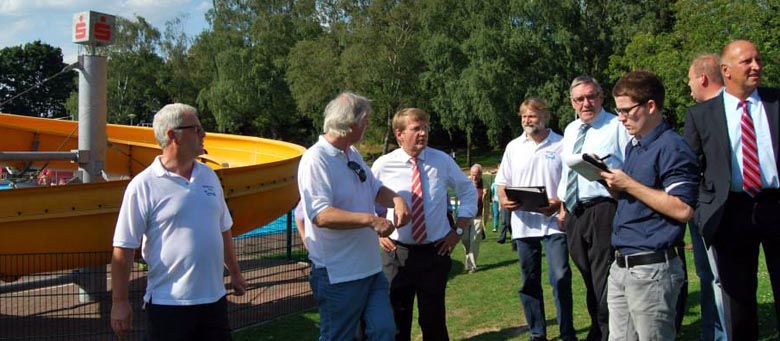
[338, 193]
[177, 209]
[534, 159]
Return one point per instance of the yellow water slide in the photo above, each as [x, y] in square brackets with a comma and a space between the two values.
[70, 226]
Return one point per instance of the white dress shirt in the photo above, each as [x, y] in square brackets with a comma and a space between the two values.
[766, 156]
[526, 163]
[438, 173]
[607, 136]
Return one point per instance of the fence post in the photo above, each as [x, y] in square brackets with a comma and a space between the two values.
[289, 234]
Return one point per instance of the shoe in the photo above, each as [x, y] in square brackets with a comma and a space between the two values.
[494, 230]
[471, 271]
[501, 241]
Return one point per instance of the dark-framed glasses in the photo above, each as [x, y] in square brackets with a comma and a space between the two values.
[627, 111]
[355, 167]
[198, 128]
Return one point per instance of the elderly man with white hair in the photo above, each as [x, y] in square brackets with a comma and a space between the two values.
[338, 194]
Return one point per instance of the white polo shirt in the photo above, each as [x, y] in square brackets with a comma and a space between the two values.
[324, 180]
[180, 223]
[438, 173]
[526, 163]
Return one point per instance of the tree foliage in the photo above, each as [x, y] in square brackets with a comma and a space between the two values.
[26, 67]
[268, 67]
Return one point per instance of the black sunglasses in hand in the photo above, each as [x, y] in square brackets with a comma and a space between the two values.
[355, 167]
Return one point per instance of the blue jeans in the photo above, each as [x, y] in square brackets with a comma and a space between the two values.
[341, 306]
[494, 208]
[642, 299]
[529, 251]
[711, 327]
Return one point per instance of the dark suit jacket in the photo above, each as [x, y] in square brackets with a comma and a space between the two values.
[706, 132]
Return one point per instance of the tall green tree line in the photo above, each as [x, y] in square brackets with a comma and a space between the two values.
[268, 67]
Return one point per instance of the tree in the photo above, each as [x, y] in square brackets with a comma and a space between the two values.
[26, 67]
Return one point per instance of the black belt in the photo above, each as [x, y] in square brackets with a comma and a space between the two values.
[645, 258]
[581, 205]
[418, 247]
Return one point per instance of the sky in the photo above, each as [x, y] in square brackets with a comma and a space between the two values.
[51, 21]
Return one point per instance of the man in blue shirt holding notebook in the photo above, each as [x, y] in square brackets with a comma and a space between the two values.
[657, 190]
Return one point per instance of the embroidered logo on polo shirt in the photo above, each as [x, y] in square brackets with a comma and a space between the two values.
[209, 190]
[550, 155]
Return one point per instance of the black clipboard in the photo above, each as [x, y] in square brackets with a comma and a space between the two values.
[531, 198]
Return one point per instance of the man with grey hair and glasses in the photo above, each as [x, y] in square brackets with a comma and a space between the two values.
[175, 210]
[588, 208]
[338, 194]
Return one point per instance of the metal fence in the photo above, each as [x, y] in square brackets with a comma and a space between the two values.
[76, 304]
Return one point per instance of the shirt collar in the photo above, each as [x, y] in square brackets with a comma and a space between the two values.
[598, 121]
[525, 138]
[731, 102]
[330, 149]
[406, 157]
[160, 171]
[652, 135]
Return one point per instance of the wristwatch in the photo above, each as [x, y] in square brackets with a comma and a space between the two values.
[458, 231]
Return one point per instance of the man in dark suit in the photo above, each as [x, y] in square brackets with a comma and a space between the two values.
[735, 136]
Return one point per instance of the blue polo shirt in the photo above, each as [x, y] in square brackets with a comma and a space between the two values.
[660, 160]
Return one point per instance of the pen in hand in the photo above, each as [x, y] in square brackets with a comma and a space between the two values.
[606, 157]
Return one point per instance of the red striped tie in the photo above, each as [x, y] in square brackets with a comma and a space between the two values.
[418, 211]
[751, 172]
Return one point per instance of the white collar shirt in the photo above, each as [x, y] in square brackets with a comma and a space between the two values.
[178, 223]
[526, 163]
[766, 156]
[607, 136]
[438, 174]
[325, 180]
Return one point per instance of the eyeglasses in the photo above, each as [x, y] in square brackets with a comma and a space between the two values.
[198, 128]
[626, 111]
[581, 99]
[355, 167]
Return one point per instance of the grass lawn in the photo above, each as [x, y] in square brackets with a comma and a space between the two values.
[485, 305]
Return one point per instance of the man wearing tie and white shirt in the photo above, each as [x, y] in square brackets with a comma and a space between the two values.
[735, 135]
[588, 208]
[416, 258]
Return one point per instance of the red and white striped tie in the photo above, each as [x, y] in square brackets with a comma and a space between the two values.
[751, 172]
[418, 211]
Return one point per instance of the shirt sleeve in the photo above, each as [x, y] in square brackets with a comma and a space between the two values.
[467, 193]
[131, 223]
[314, 185]
[679, 172]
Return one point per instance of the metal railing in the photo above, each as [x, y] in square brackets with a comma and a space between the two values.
[54, 305]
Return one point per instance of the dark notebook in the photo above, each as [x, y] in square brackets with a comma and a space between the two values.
[531, 198]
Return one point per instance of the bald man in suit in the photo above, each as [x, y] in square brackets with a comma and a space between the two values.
[739, 198]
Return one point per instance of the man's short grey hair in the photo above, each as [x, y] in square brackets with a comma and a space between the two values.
[585, 80]
[343, 111]
[169, 117]
[477, 166]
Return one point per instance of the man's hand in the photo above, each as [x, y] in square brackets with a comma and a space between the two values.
[550, 209]
[386, 244]
[382, 226]
[121, 317]
[618, 180]
[562, 218]
[446, 244]
[402, 216]
[238, 283]
[511, 205]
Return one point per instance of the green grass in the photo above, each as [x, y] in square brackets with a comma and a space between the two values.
[485, 305]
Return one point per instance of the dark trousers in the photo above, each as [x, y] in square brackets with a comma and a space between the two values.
[192, 322]
[418, 270]
[747, 224]
[589, 234]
